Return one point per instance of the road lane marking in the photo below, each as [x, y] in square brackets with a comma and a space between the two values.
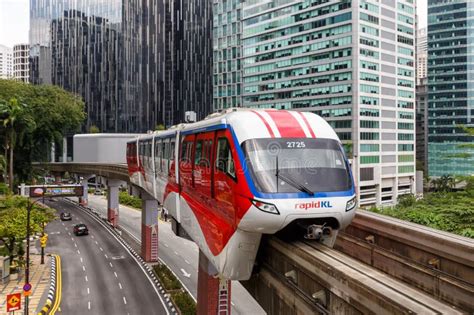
[166, 245]
[96, 243]
[187, 262]
[101, 249]
[81, 259]
[75, 245]
[120, 286]
[89, 305]
[111, 266]
[78, 252]
[83, 268]
[115, 274]
[87, 280]
[72, 239]
[69, 233]
[92, 236]
[187, 275]
[176, 253]
[124, 300]
[88, 291]
[107, 257]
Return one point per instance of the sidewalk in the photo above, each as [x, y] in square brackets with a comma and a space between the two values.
[39, 279]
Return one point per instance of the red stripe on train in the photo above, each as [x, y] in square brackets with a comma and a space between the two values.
[265, 122]
[307, 124]
[287, 125]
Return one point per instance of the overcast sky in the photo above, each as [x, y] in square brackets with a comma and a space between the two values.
[14, 20]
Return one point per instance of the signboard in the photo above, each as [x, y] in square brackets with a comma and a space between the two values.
[57, 191]
[13, 302]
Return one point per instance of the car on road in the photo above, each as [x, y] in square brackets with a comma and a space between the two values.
[98, 192]
[65, 216]
[80, 229]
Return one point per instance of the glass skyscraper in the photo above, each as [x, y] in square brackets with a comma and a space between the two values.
[450, 86]
[351, 62]
[136, 64]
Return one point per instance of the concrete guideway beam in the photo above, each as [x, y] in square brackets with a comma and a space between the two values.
[113, 186]
[214, 294]
[149, 249]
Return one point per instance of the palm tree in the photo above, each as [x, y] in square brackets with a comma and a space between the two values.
[17, 122]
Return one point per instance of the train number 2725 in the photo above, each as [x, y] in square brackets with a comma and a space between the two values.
[295, 144]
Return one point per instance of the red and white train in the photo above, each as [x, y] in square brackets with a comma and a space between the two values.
[234, 176]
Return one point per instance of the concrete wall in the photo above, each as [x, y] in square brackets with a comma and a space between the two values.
[101, 147]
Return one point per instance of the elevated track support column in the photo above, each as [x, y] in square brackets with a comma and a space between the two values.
[214, 294]
[149, 228]
[113, 201]
[84, 200]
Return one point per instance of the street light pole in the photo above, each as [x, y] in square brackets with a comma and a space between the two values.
[27, 269]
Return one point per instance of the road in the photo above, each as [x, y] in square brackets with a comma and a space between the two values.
[179, 254]
[99, 276]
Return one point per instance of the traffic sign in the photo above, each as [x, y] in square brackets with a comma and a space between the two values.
[27, 293]
[13, 302]
[27, 287]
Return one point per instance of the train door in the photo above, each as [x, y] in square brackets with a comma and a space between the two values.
[186, 163]
[202, 166]
[225, 179]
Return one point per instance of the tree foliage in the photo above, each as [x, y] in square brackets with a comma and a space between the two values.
[94, 129]
[451, 211]
[47, 114]
[13, 214]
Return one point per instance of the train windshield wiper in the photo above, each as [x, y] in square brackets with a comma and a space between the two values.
[292, 182]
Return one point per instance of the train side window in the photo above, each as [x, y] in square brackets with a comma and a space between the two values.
[172, 142]
[184, 146]
[198, 153]
[157, 155]
[224, 160]
[166, 155]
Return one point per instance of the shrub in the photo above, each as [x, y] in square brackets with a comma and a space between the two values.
[166, 277]
[184, 302]
[132, 201]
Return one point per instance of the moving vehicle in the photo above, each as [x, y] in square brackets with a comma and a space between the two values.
[242, 173]
[80, 229]
[98, 192]
[65, 216]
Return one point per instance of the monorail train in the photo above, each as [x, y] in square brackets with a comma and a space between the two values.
[234, 176]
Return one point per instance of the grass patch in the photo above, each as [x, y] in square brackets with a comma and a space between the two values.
[131, 201]
[448, 211]
[184, 302]
[180, 297]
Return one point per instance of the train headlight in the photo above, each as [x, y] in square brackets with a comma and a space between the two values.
[351, 204]
[265, 207]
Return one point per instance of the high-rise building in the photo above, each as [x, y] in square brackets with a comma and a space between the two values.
[136, 64]
[422, 123]
[450, 86]
[351, 62]
[421, 54]
[6, 62]
[21, 63]
[227, 29]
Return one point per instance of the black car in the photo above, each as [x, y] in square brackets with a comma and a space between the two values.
[65, 216]
[81, 229]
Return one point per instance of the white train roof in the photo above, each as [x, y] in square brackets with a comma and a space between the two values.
[260, 123]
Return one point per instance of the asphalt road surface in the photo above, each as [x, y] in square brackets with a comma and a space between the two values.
[99, 276]
[179, 254]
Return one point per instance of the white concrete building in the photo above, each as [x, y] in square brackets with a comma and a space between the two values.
[21, 64]
[6, 62]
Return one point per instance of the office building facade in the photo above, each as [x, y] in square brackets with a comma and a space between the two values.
[227, 50]
[421, 54]
[422, 124]
[450, 87]
[136, 64]
[21, 62]
[351, 62]
[6, 62]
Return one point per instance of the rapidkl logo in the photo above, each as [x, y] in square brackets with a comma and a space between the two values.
[313, 205]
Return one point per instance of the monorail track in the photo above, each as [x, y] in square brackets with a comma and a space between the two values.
[379, 265]
[439, 263]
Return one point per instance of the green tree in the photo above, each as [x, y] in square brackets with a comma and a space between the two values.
[13, 214]
[160, 127]
[94, 129]
[17, 123]
[52, 113]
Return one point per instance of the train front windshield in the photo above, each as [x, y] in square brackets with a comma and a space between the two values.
[297, 165]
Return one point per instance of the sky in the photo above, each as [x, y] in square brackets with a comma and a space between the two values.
[14, 20]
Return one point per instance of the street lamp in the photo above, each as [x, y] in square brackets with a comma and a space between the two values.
[36, 192]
